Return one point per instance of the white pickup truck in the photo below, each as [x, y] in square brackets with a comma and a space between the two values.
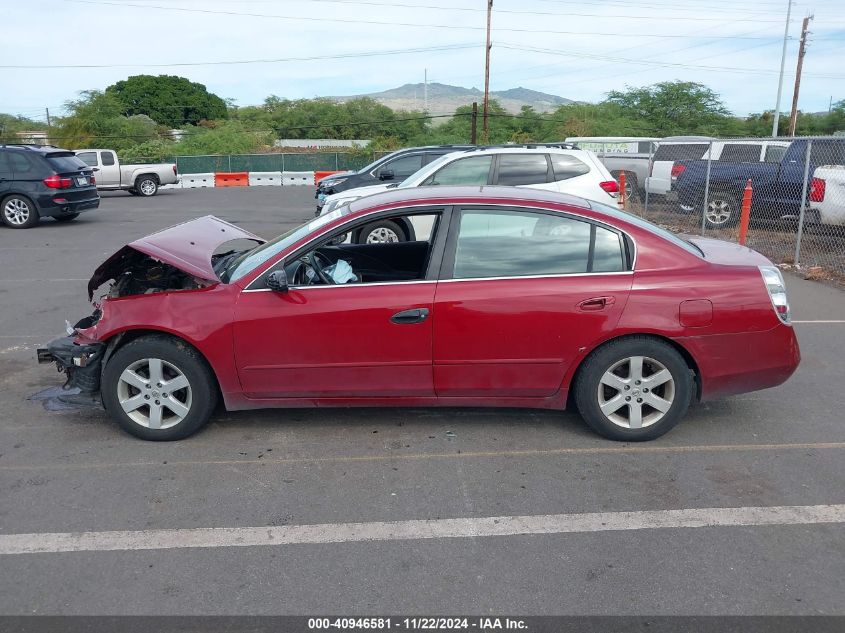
[139, 180]
[827, 195]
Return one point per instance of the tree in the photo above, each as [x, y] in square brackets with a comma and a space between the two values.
[95, 120]
[674, 107]
[169, 100]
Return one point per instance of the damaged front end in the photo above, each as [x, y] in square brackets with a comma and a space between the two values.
[80, 362]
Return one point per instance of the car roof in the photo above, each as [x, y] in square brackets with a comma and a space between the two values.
[446, 194]
[39, 149]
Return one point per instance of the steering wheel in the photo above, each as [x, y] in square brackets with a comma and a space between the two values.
[317, 267]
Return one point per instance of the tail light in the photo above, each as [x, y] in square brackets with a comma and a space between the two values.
[57, 182]
[817, 190]
[677, 170]
[174, 170]
[777, 291]
[93, 179]
[610, 186]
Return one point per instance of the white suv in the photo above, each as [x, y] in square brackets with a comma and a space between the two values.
[573, 171]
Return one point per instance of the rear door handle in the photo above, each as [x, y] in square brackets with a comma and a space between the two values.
[595, 304]
[414, 315]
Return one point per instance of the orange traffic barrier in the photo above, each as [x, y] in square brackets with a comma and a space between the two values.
[231, 179]
[622, 190]
[319, 175]
[745, 214]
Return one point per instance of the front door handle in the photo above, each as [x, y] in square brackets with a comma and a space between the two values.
[414, 315]
[595, 304]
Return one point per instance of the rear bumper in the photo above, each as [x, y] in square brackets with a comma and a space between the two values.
[743, 362]
[58, 205]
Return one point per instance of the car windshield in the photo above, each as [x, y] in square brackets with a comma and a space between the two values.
[645, 224]
[253, 258]
[420, 175]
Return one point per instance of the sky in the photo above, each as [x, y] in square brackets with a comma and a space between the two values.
[578, 49]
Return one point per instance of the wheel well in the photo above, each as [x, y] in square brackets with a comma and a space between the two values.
[119, 340]
[688, 359]
[153, 176]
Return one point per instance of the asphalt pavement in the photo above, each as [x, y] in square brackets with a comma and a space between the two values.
[404, 475]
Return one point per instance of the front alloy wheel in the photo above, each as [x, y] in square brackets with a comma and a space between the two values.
[159, 388]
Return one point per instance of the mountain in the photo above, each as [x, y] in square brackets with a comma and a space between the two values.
[444, 99]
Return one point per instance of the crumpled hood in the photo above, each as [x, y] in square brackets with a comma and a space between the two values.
[188, 247]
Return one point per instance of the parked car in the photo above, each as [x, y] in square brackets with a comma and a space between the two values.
[516, 298]
[139, 180]
[393, 167]
[43, 181]
[630, 155]
[827, 196]
[573, 171]
[778, 186]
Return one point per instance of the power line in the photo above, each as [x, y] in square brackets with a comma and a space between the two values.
[446, 47]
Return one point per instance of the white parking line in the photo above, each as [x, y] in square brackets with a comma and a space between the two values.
[821, 321]
[48, 543]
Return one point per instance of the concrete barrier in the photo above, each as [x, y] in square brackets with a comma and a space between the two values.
[195, 181]
[297, 178]
[265, 179]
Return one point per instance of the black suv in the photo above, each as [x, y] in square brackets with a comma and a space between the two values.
[396, 166]
[38, 181]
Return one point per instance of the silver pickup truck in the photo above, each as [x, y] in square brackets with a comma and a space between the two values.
[139, 180]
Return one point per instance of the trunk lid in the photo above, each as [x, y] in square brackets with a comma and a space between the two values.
[727, 253]
[188, 247]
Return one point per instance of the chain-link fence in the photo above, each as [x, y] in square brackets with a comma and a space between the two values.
[796, 215]
[321, 161]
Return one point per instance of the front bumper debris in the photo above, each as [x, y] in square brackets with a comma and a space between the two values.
[81, 363]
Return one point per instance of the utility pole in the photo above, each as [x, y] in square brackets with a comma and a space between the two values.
[425, 91]
[802, 49]
[474, 134]
[782, 64]
[47, 110]
[485, 135]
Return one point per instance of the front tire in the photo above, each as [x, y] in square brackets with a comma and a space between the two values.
[19, 212]
[633, 389]
[159, 388]
[146, 186]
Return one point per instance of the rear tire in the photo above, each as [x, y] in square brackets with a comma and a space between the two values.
[634, 389]
[135, 388]
[722, 211]
[66, 218]
[381, 231]
[146, 186]
[19, 212]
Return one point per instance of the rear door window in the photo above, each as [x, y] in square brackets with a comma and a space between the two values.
[23, 165]
[741, 153]
[523, 169]
[89, 158]
[5, 169]
[680, 151]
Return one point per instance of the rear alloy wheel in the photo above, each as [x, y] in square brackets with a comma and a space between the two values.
[19, 212]
[146, 186]
[722, 211]
[380, 232]
[158, 388]
[634, 389]
[66, 218]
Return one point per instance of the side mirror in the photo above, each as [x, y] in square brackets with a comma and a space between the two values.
[386, 174]
[277, 281]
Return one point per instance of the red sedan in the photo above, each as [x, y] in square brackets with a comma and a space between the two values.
[505, 297]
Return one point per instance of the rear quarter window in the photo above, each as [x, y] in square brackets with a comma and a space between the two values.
[741, 153]
[680, 151]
